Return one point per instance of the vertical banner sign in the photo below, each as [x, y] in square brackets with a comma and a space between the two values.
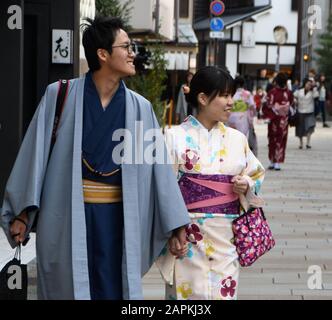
[62, 46]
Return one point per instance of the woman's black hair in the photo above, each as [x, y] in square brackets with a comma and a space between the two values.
[239, 82]
[281, 79]
[212, 81]
[99, 33]
[305, 80]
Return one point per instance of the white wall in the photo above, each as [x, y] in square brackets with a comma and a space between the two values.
[237, 33]
[255, 55]
[261, 3]
[280, 14]
[167, 19]
[325, 6]
[287, 55]
[142, 16]
[231, 56]
[87, 10]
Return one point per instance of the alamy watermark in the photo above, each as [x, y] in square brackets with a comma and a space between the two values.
[315, 281]
[315, 17]
[15, 17]
[147, 146]
[15, 280]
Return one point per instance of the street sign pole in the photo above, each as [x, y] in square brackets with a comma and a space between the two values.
[217, 25]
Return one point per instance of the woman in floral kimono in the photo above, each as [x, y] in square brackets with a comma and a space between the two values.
[219, 177]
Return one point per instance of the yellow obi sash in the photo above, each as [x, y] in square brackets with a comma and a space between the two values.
[98, 192]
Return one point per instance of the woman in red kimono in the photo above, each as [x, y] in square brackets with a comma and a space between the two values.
[279, 100]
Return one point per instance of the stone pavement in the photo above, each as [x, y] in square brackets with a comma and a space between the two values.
[299, 211]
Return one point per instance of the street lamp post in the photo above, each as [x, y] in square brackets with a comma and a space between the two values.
[278, 59]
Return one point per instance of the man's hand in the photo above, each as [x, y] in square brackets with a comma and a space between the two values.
[240, 185]
[18, 228]
[178, 243]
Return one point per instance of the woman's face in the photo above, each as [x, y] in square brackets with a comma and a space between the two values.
[218, 109]
[308, 85]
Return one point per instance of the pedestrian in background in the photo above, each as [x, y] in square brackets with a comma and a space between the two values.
[322, 89]
[259, 99]
[278, 102]
[243, 113]
[305, 101]
[182, 107]
[217, 173]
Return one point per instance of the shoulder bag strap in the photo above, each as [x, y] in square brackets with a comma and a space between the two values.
[60, 102]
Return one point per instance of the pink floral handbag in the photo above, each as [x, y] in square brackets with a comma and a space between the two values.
[252, 236]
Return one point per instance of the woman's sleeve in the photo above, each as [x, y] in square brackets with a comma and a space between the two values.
[315, 93]
[254, 173]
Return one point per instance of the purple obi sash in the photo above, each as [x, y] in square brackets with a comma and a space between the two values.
[209, 193]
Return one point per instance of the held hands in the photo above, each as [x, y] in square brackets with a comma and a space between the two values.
[240, 185]
[18, 227]
[178, 243]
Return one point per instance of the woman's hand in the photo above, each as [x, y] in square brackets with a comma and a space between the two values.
[178, 243]
[240, 185]
[18, 228]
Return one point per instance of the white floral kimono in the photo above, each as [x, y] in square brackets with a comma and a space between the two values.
[210, 270]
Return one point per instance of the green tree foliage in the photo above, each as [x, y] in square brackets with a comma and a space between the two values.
[115, 9]
[150, 84]
[325, 51]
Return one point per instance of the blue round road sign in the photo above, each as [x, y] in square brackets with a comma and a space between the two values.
[217, 24]
[217, 8]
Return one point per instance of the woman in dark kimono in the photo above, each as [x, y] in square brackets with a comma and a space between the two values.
[279, 100]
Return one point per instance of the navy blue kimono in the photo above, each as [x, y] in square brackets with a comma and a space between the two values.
[104, 221]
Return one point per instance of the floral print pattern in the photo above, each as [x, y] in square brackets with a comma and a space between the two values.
[185, 290]
[228, 286]
[193, 233]
[191, 158]
[253, 237]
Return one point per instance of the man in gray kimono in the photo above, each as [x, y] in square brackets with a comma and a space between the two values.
[99, 220]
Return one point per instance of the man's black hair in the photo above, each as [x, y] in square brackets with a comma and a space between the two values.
[99, 33]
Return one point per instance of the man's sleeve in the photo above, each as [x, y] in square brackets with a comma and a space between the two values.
[25, 182]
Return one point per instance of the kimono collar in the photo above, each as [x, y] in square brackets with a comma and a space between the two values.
[193, 122]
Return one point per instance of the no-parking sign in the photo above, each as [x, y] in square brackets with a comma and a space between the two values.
[217, 7]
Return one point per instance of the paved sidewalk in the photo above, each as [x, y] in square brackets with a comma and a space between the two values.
[299, 210]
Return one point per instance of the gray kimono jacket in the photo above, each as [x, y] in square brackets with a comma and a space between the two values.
[153, 205]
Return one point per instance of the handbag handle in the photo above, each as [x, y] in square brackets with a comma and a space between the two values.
[250, 210]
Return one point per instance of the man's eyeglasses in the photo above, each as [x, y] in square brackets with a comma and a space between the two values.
[131, 47]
